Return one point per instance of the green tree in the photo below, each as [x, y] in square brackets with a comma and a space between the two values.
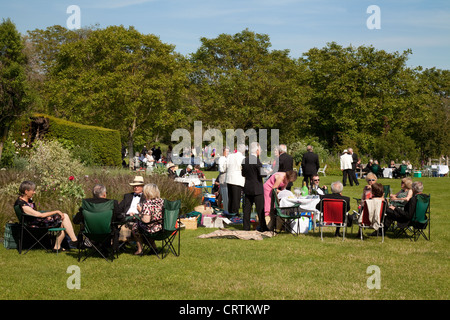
[360, 92]
[121, 79]
[238, 82]
[14, 98]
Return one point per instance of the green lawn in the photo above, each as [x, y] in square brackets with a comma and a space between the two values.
[284, 267]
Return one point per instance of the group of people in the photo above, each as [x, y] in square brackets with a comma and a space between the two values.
[145, 202]
[244, 174]
[401, 204]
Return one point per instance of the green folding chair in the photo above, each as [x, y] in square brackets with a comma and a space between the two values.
[420, 221]
[168, 234]
[38, 234]
[286, 214]
[97, 233]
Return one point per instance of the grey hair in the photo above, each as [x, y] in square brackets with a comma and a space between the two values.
[282, 148]
[241, 148]
[254, 146]
[337, 187]
[98, 190]
[25, 186]
[417, 186]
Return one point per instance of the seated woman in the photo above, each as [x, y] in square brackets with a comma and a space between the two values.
[151, 211]
[371, 178]
[49, 219]
[399, 199]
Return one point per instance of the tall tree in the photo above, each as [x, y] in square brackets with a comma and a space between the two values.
[14, 99]
[121, 79]
[239, 82]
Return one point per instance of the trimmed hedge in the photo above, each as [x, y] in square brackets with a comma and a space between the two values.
[104, 143]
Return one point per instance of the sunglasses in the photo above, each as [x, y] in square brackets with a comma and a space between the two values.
[372, 180]
[316, 180]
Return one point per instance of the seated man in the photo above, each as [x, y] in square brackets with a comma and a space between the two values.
[99, 196]
[128, 207]
[172, 170]
[315, 187]
[186, 171]
[336, 193]
[403, 215]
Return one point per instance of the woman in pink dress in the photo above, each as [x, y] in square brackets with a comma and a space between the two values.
[278, 180]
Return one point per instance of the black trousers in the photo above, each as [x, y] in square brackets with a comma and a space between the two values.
[307, 178]
[345, 173]
[352, 177]
[258, 200]
[234, 198]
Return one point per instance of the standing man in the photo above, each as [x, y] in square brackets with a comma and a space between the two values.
[310, 165]
[234, 179]
[253, 187]
[355, 162]
[285, 162]
[222, 164]
[346, 167]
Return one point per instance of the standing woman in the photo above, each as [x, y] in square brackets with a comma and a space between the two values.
[49, 219]
[277, 181]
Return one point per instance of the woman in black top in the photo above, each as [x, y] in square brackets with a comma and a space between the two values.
[47, 219]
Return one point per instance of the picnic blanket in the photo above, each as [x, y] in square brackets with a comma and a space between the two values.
[237, 234]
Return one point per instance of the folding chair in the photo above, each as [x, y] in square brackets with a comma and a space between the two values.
[286, 214]
[97, 234]
[420, 220]
[168, 234]
[38, 234]
[365, 222]
[333, 213]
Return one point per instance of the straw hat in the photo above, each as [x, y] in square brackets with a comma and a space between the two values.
[138, 181]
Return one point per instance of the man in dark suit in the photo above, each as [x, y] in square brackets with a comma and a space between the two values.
[355, 161]
[310, 165]
[128, 205]
[253, 187]
[336, 193]
[285, 162]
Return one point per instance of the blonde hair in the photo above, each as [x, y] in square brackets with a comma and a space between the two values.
[151, 191]
[408, 183]
[371, 175]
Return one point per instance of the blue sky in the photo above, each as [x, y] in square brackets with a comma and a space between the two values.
[297, 25]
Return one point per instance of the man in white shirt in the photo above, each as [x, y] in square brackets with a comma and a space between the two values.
[346, 167]
[234, 179]
[222, 164]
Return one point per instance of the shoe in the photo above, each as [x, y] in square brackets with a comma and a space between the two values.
[73, 244]
[139, 253]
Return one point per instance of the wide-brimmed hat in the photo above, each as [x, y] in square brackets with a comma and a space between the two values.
[138, 181]
[170, 165]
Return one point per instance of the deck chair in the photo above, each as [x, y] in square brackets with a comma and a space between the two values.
[286, 214]
[322, 170]
[98, 234]
[420, 221]
[365, 220]
[402, 171]
[333, 214]
[168, 234]
[38, 234]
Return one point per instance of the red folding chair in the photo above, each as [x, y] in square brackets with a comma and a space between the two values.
[333, 213]
[365, 218]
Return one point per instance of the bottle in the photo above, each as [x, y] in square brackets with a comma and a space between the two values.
[304, 189]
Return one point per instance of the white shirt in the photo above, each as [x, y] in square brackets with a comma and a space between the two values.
[346, 161]
[133, 207]
[234, 169]
[222, 164]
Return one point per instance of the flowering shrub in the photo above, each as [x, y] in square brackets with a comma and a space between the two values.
[55, 170]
